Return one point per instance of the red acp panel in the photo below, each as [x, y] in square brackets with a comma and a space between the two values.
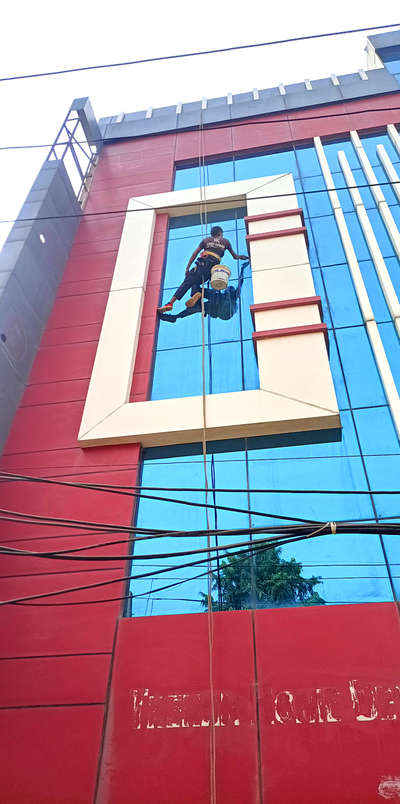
[329, 703]
[53, 680]
[51, 754]
[149, 759]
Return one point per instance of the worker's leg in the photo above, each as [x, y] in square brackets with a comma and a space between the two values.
[193, 279]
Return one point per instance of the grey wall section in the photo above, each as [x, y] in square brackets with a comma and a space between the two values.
[218, 110]
[29, 276]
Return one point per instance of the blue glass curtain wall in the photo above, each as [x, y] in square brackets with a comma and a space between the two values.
[333, 569]
[230, 358]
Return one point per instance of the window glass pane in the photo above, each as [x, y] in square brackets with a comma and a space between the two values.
[342, 297]
[177, 372]
[320, 291]
[376, 431]
[318, 203]
[391, 345]
[187, 177]
[362, 378]
[327, 240]
[315, 473]
[374, 290]
[393, 266]
[370, 142]
[380, 233]
[226, 368]
[220, 172]
[383, 472]
[331, 150]
[264, 449]
[266, 165]
[308, 161]
[337, 373]
[357, 236]
[251, 378]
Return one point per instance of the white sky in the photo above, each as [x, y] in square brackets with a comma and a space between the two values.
[44, 36]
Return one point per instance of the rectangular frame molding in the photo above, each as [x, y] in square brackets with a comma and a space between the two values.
[295, 398]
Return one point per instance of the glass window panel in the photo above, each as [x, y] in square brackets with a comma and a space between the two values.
[342, 297]
[380, 233]
[362, 378]
[308, 161]
[374, 290]
[393, 266]
[177, 372]
[246, 300]
[331, 150]
[357, 236]
[178, 254]
[350, 566]
[320, 291]
[300, 200]
[347, 446]
[187, 177]
[318, 203]
[327, 240]
[251, 377]
[384, 472]
[310, 473]
[175, 333]
[376, 431]
[392, 548]
[370, 142]
[266, 165]
[222, 331]
[337, 373]
[226, 366]
[391, 345]
[386, 187]
[220, 172]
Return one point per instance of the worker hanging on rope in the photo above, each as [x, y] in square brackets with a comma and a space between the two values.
[217, 303]
[211, 250]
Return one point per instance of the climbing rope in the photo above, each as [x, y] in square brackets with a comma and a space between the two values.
[210, 618]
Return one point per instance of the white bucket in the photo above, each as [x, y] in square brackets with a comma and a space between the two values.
[220, 277]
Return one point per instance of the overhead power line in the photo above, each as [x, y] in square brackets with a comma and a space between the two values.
[185, 55]
[210, 203]
[132, 489]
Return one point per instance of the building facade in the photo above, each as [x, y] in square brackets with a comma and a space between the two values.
[125, 688]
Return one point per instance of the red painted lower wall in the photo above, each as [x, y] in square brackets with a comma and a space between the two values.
[307, 706]
[55, 660]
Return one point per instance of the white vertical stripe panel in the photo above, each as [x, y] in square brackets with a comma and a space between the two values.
[382, 362]
[394, 136]
[383, 206]
[282, 89]
[383, 274]
[389, 169]
[149, 112]
[358, 281]
[385, 372]
[308, 84]
[179, 108]
[335, 80]
[363, 75]
[256, 94]
[204, 103]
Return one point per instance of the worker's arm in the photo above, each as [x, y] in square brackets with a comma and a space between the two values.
[193, 257]
[234, 255]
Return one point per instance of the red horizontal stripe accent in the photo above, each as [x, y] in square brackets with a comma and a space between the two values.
[306, 329]
[284, 213]
[284, 303]
[279, 233]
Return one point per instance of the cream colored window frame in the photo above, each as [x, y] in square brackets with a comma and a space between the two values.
[109, 417]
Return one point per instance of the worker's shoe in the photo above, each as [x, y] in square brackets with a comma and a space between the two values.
[193, 299]
[166, 308]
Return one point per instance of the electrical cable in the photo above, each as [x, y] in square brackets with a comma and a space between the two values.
[117, 489]
[214, 51]
[210, 203]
